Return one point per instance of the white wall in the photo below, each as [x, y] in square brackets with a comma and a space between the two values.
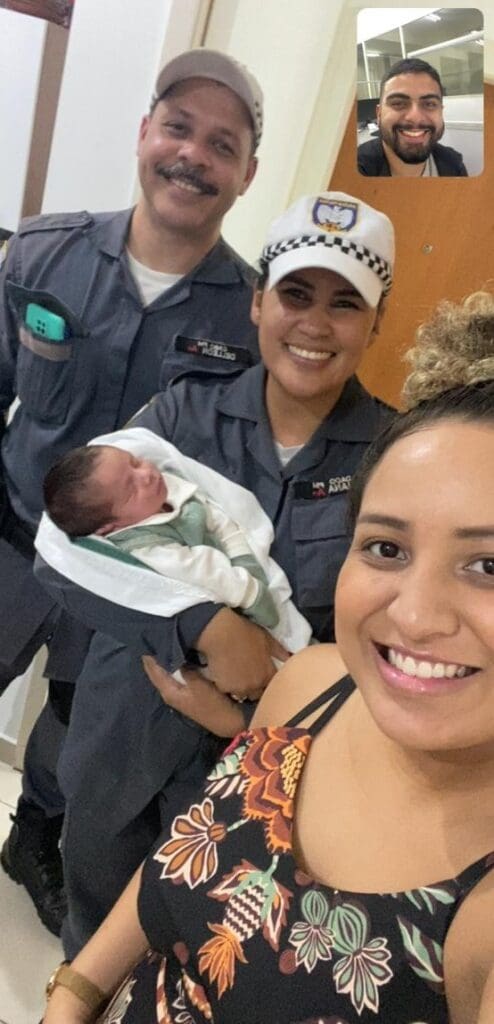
[21, 47]
[112, 61]
[286, 45]
[12, 708]
[463, 118]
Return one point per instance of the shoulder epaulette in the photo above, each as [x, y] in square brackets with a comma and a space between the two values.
[55, 222]
[202, 376]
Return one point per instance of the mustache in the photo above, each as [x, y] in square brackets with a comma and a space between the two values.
[190, 176]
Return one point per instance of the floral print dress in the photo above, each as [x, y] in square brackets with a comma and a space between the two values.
[242, 936]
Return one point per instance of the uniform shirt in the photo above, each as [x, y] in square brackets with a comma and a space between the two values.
[117, 353]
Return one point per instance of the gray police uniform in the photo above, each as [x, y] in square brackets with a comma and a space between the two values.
[115, 356]
[124, 744]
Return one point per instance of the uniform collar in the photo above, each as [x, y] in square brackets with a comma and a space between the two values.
[355, 417]
[244, 397]
[109, 232]
[221, 265]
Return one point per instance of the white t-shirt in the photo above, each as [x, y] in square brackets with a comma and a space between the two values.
[150, 283]
[286, 454]
[430, 169]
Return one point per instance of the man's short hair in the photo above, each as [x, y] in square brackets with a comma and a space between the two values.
[411, 66]
[67, 501]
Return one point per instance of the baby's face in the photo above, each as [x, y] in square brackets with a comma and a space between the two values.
[135, 487]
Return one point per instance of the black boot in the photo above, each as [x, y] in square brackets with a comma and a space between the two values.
[31, 856]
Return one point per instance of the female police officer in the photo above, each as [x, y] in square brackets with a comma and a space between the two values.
[292, 430]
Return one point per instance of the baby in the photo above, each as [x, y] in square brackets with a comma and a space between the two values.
[161, 520]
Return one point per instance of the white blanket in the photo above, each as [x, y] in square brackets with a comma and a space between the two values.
[149, 592]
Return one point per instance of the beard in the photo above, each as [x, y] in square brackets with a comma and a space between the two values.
[405, 149]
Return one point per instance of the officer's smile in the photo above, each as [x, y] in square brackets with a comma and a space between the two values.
[188, 180]
[312, 355]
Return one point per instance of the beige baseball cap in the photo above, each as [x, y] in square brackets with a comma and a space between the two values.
[202, 63]
[337, 232]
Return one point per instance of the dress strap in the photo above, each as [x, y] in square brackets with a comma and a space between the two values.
[473, 874]
[333, 697]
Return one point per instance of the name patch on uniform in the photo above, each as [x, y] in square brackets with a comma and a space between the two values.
[334, 214]
[209, 349]
[312, 489]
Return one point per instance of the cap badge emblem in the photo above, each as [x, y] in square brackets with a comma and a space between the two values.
[334, 214]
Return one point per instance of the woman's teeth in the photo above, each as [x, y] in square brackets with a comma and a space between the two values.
[306, 353]
[425, 669]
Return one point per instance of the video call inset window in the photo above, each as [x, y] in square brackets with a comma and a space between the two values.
[420, 99]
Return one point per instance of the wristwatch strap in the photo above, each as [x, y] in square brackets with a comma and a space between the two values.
[86, 990]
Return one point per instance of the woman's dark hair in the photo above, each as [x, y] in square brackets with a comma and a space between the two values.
[67, 504]
[471, 404]
[452, 378]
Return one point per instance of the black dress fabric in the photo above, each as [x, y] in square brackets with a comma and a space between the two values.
[242, 936]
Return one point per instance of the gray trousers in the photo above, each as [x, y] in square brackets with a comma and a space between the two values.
[29, 618]
[98, 862]
[129, 764]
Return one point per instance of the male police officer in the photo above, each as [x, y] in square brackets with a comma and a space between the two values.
[410, 119]
[98, 312]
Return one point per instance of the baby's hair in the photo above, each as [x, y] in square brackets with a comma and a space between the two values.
[73, 510]
[452, 378]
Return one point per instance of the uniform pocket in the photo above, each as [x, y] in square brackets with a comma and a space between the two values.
[320, 535]
[45, 368]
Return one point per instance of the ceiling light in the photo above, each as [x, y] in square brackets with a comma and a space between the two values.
[432, 17]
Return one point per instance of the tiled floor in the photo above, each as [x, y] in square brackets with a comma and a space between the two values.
[28, 953]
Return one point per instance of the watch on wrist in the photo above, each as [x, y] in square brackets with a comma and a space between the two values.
[86, 990]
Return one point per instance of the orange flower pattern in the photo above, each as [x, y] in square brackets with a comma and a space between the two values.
[272, 766]
[191, 855]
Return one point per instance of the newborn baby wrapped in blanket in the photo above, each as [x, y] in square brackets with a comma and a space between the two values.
[117, 571]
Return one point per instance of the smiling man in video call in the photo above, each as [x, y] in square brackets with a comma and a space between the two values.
[410, 119]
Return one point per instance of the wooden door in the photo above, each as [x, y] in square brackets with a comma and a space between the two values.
[444, 244]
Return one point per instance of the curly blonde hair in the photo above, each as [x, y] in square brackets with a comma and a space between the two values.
[453, 349]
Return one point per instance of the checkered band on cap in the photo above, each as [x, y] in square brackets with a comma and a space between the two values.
[376, 263]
